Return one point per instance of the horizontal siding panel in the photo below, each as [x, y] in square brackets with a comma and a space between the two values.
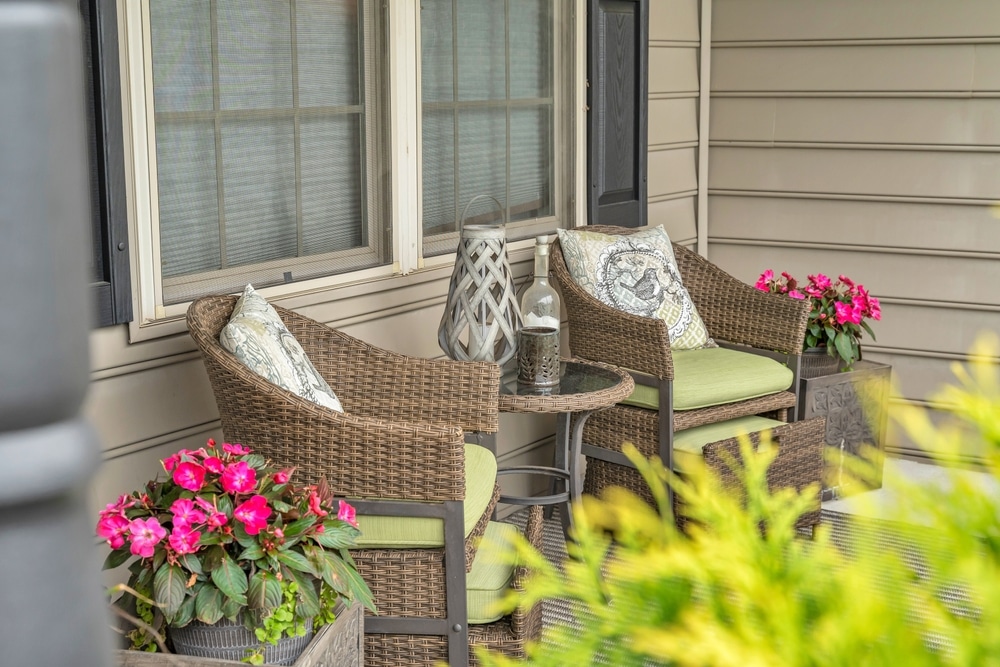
[944, 330]
[874, 223]
[948, 279]
[673, 69]
[671, 171]
[945, 174]
[923, 445]
[934, 121]
[413, 333]
[141, 406]
[741, 119]
[987, 65]
[752, 20]
[677, 216]
[899, 68]
[110, 349]
[673, 21]
[916, 378]
[673, 121]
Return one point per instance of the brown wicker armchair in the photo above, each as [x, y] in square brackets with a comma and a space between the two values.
[735, 314]
[400, 441]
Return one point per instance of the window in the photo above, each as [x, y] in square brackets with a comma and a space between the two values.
[261, 145]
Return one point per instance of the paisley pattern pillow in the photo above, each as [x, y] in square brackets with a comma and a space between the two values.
[259, 339]
[636, 273]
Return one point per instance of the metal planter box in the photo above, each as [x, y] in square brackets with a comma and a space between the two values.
[855, 404]
[340, 644]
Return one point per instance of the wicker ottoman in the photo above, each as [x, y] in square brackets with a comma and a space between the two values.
[799, 463]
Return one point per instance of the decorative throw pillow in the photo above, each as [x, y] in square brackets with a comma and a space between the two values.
[259, 339]
[636, 273]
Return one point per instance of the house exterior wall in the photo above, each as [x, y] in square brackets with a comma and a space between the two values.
[674, 63]
[863, 138]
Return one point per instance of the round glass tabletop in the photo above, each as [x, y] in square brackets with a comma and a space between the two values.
[582, 386]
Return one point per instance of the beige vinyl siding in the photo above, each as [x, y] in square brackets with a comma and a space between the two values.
[674, 51]
[863, 138]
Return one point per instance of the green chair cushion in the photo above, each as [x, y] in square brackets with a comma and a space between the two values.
[716, 376]
[491, 574]
[405, 532]
[689, 442]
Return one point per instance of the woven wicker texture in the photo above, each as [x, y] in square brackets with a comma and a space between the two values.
[508, 635]
[401, 437]
[799, 463]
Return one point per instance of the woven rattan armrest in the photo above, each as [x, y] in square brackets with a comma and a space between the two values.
[739, 313]
[599, 332]
[380, 383]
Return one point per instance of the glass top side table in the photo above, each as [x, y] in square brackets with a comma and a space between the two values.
[584, 388]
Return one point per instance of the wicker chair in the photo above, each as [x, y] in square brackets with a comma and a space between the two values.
[736, 315]
[399, 447]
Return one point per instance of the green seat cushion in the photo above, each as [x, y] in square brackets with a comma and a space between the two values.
[716, 376]
[689, 442]
[406, 532]
[491, 574]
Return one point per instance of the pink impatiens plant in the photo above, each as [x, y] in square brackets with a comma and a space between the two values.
[839, 310]
[227, 535]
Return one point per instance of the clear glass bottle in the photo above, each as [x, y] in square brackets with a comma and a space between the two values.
[540, 303]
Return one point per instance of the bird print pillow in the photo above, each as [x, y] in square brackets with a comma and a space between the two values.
[636, 273]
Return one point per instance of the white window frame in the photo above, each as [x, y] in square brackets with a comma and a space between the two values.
[153, 319]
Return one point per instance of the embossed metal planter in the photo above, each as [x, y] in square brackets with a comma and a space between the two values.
[855, 404]
[340, 643]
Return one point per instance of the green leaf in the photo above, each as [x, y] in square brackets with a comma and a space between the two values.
[307, 602]
[264, 591]
[191, 563]
[185, 614]
[255, 461]
[208, 605]
[159, 556]
[296, 528]
[868, 329]
[296, 561]
[356, 586]
[336, 535]
[844, 348]
[212, 558]
[231, 608]
[814, 329]
[116, 558]
[224, 504]
[830, 335]
[281, 506]
[252, 552]
[210, 539]
[169, 589]
[230, 579]
[240, 533]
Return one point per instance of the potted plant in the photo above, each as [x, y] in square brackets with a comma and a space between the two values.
[228, 543]
[837, 320]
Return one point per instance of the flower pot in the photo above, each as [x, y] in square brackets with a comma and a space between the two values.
[229, 640]
[817, 362]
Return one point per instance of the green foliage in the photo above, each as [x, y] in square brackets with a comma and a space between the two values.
[742, 589]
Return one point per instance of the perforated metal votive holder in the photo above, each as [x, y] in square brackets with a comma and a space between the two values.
[538, 356]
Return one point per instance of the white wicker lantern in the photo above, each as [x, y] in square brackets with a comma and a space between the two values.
[481, 319]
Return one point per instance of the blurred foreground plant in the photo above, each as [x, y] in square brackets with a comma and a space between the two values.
[743, 589]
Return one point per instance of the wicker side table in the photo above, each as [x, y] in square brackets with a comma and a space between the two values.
[584, 388]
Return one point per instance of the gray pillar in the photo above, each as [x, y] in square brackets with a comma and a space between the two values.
[50, 583]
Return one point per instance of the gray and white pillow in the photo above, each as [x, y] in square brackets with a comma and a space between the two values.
[257, 337]
[636, 273]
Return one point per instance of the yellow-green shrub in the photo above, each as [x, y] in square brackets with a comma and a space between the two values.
[732, 593]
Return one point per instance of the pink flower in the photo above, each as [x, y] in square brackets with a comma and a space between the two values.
[171, 462]
[874, 308]
[239, 478]
[211, 443]
[314, 504]
[236, 450]
[190, 476]
[214, 464]
[765, 278]
[146, 534]
[119, 506]
[216, 520]
[844, 312]
[183, 540]
[253, 514]
[847, 281]
[346, 513]
[820, 281]
[795, 294]
[113, 528]
[814, 292]
[282, 477]
[185, 514]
